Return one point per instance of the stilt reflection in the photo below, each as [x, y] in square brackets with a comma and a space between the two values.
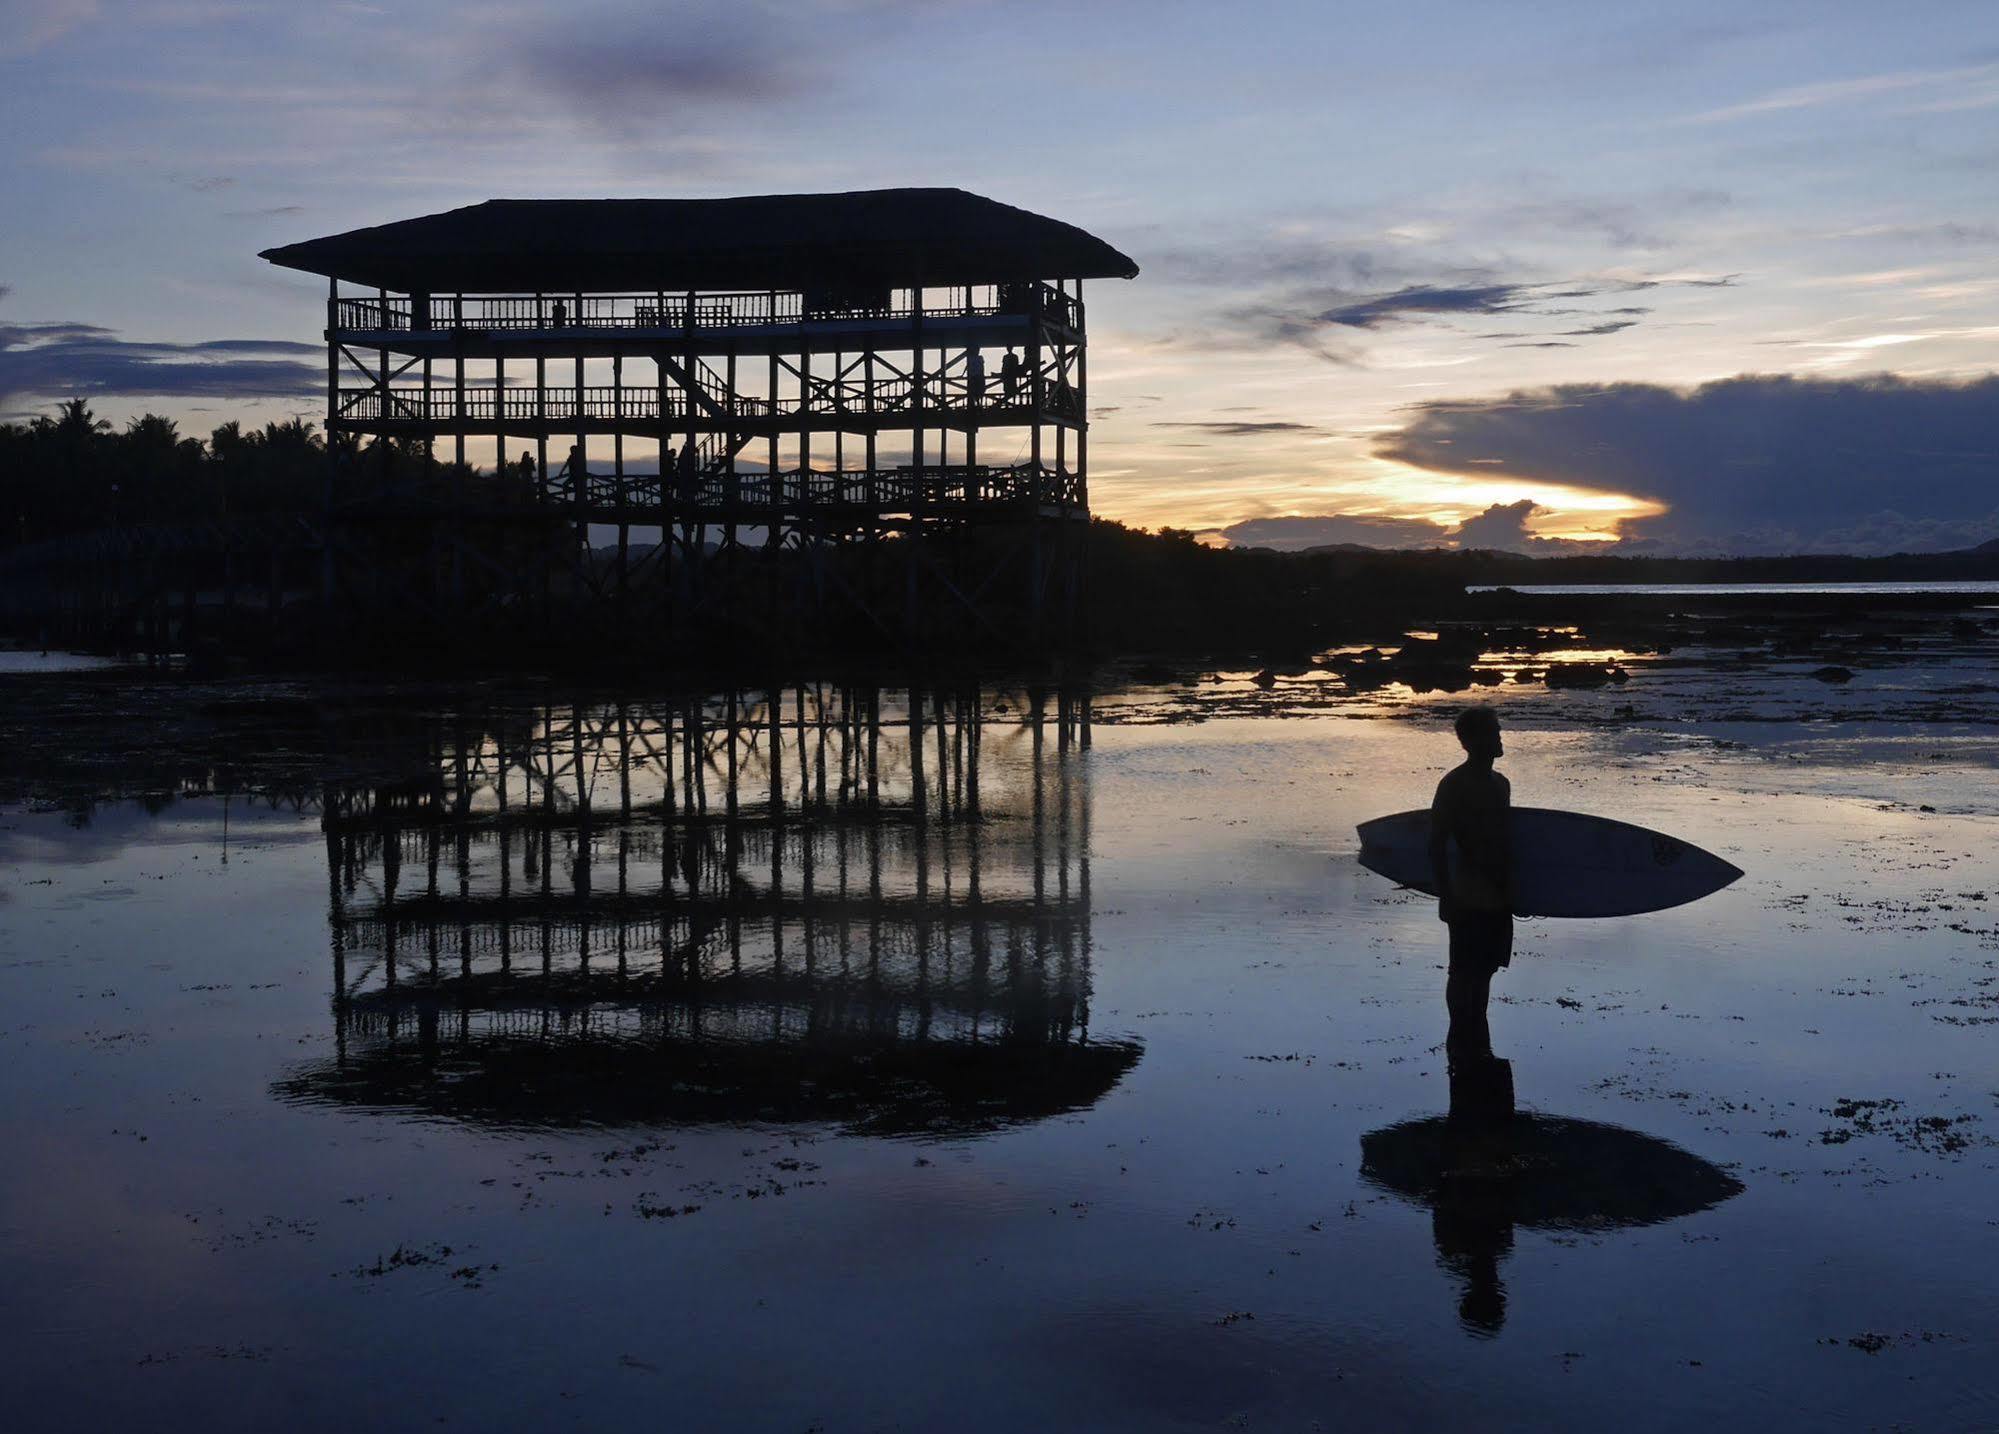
[1485, 1169]
[808, 904]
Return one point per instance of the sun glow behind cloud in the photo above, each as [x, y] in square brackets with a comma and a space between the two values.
[1158, 494]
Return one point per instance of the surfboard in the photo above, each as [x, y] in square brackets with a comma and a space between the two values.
[1565, 863]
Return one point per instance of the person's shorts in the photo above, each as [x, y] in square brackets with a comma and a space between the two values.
[1481, 942]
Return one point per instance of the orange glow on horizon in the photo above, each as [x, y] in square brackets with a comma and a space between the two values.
[1380, 489]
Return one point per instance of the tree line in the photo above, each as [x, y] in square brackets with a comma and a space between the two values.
[71, 472]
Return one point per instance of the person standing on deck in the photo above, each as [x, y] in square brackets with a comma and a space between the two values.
[687, 472]
[1475, 893]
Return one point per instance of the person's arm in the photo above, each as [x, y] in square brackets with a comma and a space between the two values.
[1440, 856]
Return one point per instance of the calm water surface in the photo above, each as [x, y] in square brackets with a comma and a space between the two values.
[796, 1065]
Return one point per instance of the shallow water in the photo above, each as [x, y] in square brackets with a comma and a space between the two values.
[15, 662]
[987, 1074]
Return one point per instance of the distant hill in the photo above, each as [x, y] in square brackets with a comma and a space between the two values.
[1319, 549]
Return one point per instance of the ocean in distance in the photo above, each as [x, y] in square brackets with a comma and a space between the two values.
[1886, 589]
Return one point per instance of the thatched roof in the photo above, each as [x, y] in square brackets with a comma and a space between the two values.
[774, 241]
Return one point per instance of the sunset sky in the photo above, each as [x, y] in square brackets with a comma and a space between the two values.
[1703, 276]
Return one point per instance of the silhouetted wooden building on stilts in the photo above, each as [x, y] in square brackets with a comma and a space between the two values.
[856, 417]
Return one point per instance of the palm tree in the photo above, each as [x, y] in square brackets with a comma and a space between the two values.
[152, 432]
[75, 422]
[293, 436]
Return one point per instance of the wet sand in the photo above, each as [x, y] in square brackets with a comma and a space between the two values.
[1032, 1091]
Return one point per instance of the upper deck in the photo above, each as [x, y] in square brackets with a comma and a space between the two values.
[584, 325]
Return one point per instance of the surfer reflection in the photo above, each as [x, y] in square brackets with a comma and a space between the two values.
[1475, 893]
[1485, 1170]
[1473, 1234]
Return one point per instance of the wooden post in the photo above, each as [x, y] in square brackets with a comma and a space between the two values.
[544, 536]
[774, 484]
[1062, 356]
[540, 410]
[618, 485]
[458, 451]
[1032, 377]
[432, 517]
[1079, 613]
[579, 487]
[1082, 403]
[332, 348]
[332, 408]
[458, 376]
[918, 489]
[804, 488]
[916, 379]
[669, 513]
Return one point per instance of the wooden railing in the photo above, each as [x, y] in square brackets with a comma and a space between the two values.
[669, 313]
[943, 394]
[854, 491]
[713, 491]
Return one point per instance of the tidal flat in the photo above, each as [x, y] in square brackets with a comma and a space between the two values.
[826, 1058]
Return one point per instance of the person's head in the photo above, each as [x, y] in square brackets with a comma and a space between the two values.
[1478, 733]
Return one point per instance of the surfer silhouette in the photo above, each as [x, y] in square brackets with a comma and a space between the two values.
[1468, 820]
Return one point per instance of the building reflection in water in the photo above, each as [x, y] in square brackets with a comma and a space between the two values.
[1484, 1170]
[806, 905]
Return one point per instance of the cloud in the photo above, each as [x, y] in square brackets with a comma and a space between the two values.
[1828, 92]
[1502, 526]
[61, 360]
[1259, 325]
[30, 25]
[1373, 530]
[1618, 223]
[1949, 231]
[275, 211]
[1756, 463]
[1372, 313]
[243, 346]
[1241, 428]
[631, 68]
[1327, 283]
[1608, 326]
[1258, 259]
[617, 66]
[1317, 319]
[209, 183]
